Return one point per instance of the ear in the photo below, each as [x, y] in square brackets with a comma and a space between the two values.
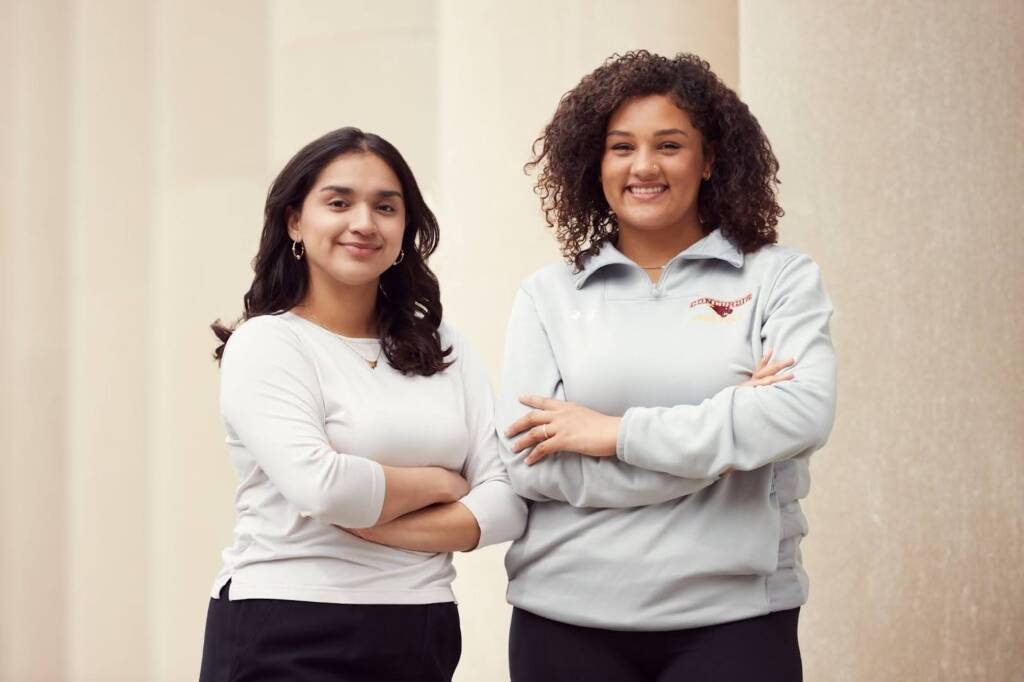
[709, 161]
[293, 224]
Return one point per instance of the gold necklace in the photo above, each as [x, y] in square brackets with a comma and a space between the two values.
[372, 364]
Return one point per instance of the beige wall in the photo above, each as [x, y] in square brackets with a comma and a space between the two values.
[137, 140]
[34, 319]
[901, 135]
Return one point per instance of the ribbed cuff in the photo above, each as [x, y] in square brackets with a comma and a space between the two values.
[620, 438]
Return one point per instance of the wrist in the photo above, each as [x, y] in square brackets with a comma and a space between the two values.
[611, 441]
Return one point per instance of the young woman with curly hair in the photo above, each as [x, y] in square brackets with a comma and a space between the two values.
[663, 450]
[362, 430]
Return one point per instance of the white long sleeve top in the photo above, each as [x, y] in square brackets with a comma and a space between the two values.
[309, 427]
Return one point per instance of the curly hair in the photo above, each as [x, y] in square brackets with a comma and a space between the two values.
[740, 197]
[408, 313]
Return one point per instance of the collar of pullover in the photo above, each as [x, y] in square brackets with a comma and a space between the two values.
[713, 245]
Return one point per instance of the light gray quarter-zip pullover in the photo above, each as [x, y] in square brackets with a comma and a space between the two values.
[658, 538]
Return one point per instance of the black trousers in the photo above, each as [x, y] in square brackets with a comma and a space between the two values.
[276, 640]
[762, 649]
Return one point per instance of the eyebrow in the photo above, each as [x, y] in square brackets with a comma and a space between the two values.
[338, 189]
[666, 131]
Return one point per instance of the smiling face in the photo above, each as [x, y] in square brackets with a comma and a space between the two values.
[652, 166]
[352, 221]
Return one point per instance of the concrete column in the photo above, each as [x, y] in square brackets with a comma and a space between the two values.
[901, 139]
[503, 67]
[368, 65]
[34, 201]
[108, 299]
[209, 180]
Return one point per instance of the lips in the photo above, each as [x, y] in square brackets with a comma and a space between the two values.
[360, 250]
[646, 192]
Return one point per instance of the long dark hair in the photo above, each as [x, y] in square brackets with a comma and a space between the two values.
[409, 307]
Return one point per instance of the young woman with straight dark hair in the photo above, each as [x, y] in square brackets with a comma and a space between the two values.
[664, 450]
[361, 427]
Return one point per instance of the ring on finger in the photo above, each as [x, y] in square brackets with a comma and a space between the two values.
[544, 427]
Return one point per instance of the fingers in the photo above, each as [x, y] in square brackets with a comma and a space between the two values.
[528, 420]
[539, 402]
[768, 381]
[535, 435]
[763, 361]
[768, 370]
[545, 448]
[540, 415]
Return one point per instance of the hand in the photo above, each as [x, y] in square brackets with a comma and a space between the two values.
[559, 425]
[766, 374]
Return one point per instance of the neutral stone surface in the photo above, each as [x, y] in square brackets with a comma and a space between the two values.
[901, 138]
[210, 174]
[110, 202]
[34, 208]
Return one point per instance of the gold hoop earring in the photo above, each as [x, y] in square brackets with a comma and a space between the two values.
[298, 249]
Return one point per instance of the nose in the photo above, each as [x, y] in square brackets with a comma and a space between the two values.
[361, 220]
[644, 164]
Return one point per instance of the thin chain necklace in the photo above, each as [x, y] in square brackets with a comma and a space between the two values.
[372, 364]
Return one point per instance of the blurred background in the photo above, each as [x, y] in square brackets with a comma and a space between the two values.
[137, 141]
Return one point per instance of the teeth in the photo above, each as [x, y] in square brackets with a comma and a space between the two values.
[646, 190]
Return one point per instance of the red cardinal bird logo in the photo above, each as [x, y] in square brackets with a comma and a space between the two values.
[721, 308]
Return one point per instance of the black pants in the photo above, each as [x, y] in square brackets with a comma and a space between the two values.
[277, 640]
[762, 649]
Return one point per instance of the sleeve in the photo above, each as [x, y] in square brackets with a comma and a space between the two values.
[530, 368]
[749, 427]
[271, 401]
[500, 513]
